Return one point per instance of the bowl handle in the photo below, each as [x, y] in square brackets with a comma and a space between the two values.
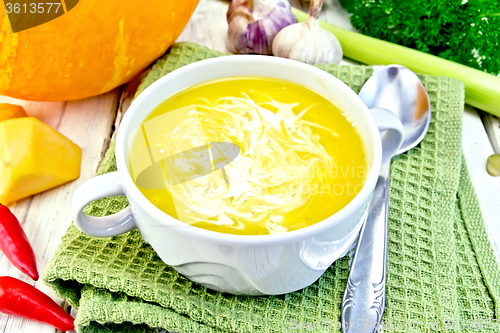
[97, 188]
[393, 138]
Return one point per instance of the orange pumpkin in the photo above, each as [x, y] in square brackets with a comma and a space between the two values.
[93, 48]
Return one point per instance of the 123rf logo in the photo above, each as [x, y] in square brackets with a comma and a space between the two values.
[26, 14]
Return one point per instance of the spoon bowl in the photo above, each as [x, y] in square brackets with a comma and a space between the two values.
[399, 90]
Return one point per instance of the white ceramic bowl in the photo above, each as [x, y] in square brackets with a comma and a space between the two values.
[254, 265]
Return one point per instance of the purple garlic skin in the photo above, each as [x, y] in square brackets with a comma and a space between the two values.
[254, 24]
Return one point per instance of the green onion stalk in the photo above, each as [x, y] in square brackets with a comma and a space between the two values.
[482, 90]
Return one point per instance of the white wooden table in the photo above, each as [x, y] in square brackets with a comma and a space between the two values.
[91, 123]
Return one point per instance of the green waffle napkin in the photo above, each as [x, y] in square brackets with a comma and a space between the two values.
[440, 263]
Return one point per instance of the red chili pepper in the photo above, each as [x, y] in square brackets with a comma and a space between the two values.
[20, 299]
[15, 244]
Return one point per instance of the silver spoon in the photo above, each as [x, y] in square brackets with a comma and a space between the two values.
[397, 89]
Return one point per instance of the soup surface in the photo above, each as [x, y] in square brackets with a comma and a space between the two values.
[300, 160]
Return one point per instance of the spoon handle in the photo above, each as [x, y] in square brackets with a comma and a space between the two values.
[364, 297]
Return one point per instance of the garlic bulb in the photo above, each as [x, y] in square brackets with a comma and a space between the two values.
[307, 41]
[254, 23]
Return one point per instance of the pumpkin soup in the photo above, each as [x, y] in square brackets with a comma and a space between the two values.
[298, 160]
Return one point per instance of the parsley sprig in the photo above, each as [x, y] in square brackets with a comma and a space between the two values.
[467, 32]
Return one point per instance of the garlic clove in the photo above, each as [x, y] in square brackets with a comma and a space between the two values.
[283, 44]
[308, 41]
